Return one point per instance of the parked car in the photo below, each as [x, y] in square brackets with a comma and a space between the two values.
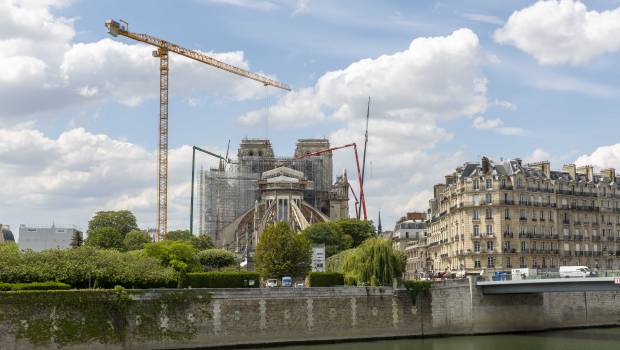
[272, 282]
[299, 285]
[575, 271]
[287, 281]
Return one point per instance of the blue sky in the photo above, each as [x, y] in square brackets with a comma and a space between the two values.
[450, 81]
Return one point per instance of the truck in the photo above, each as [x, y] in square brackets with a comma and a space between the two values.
[575, 271]
[522, 274]
[287, 281]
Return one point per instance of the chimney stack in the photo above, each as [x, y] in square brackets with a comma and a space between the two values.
[586, 170]
[609, 173]
[571, 169]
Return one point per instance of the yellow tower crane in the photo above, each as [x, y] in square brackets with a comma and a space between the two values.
[163, 48]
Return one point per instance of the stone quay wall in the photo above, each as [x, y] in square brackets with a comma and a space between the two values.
[201, 318]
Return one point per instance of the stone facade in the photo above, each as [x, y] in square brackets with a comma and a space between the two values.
[497, 216]
[199, 318]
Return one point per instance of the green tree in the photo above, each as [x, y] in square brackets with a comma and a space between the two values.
[282, 252]
[122, 221]
[359, 230]
[76, 240]
[329, 233]
[136, 239]
[105, 238]
[202, 242]
[177, 254]
[179, 235]
[216, 259]
[374, 262]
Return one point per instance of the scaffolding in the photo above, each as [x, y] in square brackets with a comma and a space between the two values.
[226, 193]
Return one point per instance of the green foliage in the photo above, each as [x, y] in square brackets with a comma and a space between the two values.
[374, 262]
[34, 286]
[325, 279]
[282, 252]
[122, 221]
[84, 267]
[202, 242]
[179, 235]
[76, 240]
[105, 238]
[359, 230]
[176, 254]
[416, 288]
[136, 240]
[215, 259]
[223, 279]
[331, 234]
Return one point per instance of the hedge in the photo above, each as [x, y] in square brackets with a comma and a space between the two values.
[34, 286]
[325, 279]
[223, 280]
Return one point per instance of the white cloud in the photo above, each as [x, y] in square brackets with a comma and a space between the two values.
[537, 155]
[39, 61]
[301, 6]
[562, 31]
[435, 78]
[496, 125]
[70, 177]
[505, 104]
[603, 157]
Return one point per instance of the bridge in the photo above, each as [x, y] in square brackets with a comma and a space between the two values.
[588, 284]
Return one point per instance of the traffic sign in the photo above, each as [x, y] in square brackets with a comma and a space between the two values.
[617, 280]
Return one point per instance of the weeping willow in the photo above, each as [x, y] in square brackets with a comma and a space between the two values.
[374, 262]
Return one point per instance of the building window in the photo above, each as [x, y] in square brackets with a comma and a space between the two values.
[476, 230]
[508, 263]
[477, 262]
[523, 246]
[488, 199]
[489, 213]
[477, 247]
[475, 215]
[489, 184]
[490, 246]
[506, 213]
[519, 183]
[491, 261]
[521, 261]
[490, 229]
[476, 184]
[522, 214]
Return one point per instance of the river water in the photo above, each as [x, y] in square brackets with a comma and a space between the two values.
[578, 339]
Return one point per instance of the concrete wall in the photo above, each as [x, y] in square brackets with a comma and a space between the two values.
[204, 318]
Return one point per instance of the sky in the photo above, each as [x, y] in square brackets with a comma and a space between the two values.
[449, 82]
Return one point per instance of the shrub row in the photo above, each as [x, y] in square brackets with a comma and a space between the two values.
[34, 286]
[223, 280]
[325, 279]
[84, 267]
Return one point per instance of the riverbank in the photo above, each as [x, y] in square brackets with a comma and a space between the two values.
[199, 318]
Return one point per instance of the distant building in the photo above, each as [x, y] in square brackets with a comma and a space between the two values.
[5, 234]
[40, 238]
[407, 231]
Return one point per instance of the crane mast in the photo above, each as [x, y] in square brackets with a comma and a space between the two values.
[162, 52]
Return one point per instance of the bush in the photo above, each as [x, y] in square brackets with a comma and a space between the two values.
[85, 267]
[416, 288]
[215, 259]
[34, 286]
[223, 279]
[325, 279]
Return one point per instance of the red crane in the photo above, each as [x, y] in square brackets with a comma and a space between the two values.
[359, 174]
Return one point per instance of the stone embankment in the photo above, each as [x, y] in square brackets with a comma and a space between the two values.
[199, 318]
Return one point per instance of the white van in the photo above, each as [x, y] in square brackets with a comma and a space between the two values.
[575, 271]
[522, 274]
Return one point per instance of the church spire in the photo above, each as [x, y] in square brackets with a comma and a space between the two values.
[379, 229]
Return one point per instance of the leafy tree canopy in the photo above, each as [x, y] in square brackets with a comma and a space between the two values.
[202, 242]
[105, 238]
[136, 239]
[177, 254]
[375, 262]
[282, 252]
[122, 221]
[215, 259]
[359, 230]
[331, 234]
[179, 235]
